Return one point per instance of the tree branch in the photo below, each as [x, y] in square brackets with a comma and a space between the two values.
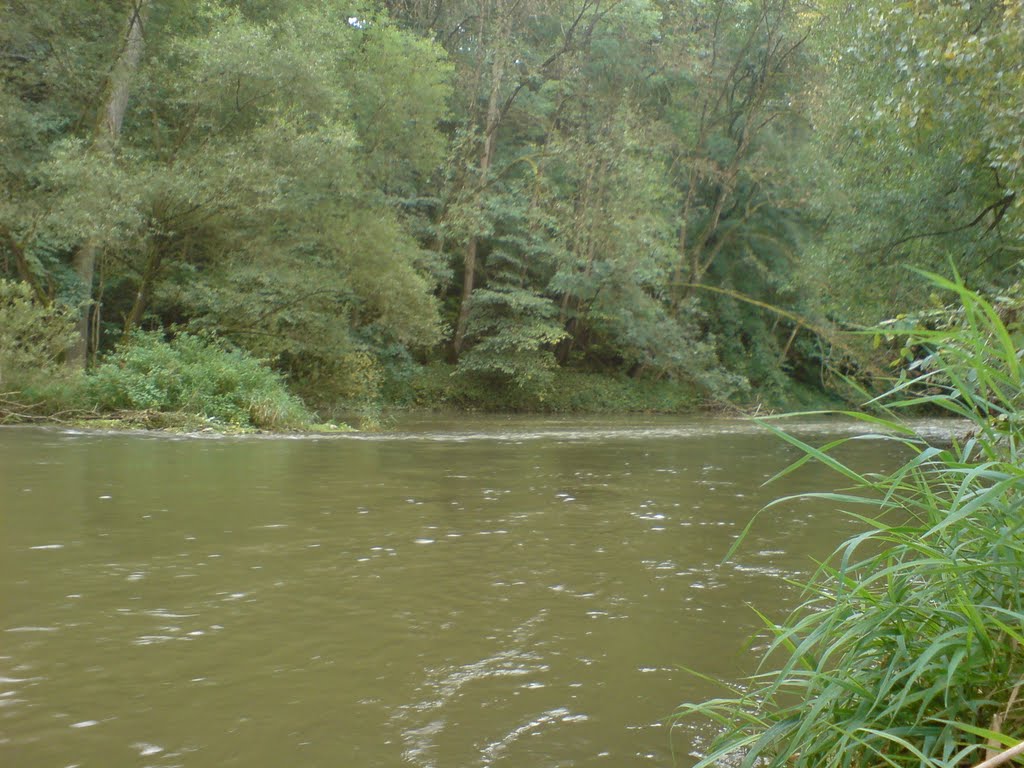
[998, 208]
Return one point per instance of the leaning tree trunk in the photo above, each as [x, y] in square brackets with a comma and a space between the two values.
[105, 139]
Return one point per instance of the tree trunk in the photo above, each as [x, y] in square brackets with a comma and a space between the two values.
[678, 292]
[149, 275]
[105, 139]
[486, 157]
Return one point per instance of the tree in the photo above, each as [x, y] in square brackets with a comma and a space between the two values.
[106, 138]
[925, 151]
[741, 83]
[54, 60]
[506, 49]
[258, 183]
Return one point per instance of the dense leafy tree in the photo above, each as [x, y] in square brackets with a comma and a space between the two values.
[584, 194]
[252, 179]
[921, 116]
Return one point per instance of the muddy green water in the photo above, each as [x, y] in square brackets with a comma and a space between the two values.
[469, 593]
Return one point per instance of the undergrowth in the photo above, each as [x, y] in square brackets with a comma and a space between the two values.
[195, 376]
[443, 386]
[33, 337]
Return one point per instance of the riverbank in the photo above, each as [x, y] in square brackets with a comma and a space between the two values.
[431, 390]
[438, 388]
[200, 381]
[178, 422]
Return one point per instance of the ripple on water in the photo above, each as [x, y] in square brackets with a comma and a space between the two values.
[533, 727]
[693, 429]
[421, 728]
[430, 702]
[32, 629]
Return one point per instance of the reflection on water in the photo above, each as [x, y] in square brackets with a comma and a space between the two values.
[505, 592]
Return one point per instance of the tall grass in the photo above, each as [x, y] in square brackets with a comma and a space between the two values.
[908, 647]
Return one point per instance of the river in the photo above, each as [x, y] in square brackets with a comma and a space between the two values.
[475, 592]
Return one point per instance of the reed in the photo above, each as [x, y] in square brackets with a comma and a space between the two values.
[908, 646]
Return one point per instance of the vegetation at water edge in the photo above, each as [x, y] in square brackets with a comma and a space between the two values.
[908, 648]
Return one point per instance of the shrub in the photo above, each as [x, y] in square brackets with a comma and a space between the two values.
[195, 375]
[33, 336]
[909, 647]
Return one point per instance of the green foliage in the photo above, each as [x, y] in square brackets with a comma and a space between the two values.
[304, 228]
[909, 647]
[567, 391]
[524, 187]
[919, 125]
[258, 184]
[194, 375]
[33, 336]
[960, 64]
[348, 388]
[518, 334]
[588, 393]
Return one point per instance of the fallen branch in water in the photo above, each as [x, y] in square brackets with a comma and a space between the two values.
[17, 411]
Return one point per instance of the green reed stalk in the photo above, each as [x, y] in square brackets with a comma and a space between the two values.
[908, 648]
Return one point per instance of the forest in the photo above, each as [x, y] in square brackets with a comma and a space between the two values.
[272, 212]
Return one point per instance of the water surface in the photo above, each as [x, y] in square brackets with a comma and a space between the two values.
[500, 592]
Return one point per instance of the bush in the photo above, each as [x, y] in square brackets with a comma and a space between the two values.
[194, 375]
[33, 336]
[909, 647]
